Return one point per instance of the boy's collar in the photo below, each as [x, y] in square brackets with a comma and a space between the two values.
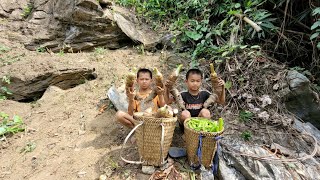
[195, 94]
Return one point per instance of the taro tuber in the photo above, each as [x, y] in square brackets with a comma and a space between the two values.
[216, 89]
[148, 112]
[174, 75]
[158, 77]
[164, 112]
[130, 79]
[159, 82]
[212, 99]
[177, 96]
[213, 76]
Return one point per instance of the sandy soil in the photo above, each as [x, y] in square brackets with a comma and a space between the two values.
[73, 138]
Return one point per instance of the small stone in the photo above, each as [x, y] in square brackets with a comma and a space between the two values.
[81, 132]
[103, 177]
[148, 169]
[81, 174]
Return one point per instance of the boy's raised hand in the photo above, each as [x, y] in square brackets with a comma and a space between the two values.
[159, 90]
[220, 82]
[168, 84]
[130, 93]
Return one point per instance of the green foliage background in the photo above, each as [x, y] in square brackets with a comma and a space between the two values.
[211, 29]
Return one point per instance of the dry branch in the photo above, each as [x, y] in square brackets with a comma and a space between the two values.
[254, 25]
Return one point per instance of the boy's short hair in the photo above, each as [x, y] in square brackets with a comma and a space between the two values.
[193, 71]
[144, 70]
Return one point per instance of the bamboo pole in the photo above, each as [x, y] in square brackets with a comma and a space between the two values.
[255, 26]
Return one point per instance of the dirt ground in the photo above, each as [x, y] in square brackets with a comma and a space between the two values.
[72, 138]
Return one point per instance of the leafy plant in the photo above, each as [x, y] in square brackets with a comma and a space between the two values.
[245, 116]
[316, 26]
[99, 50]
[228, 85]
[29, 147]
[246, 135]
[27, 10]
[4, 91]
[61, 52]
[4, 49]
[10, 125]
[41, 49]
[201, 24]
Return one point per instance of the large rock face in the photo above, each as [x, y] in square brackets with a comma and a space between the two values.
[72, 26]
[76, 25]
[301, 100]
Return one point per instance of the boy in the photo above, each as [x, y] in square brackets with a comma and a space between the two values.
[194, 98]
[144, 81]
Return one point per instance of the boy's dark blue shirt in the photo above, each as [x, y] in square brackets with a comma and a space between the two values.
[194, 104]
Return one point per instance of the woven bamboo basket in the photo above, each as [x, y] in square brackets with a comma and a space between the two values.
[209, 145]
[154, 137]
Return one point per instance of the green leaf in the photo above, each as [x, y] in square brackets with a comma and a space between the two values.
[243, 47]
[316, 11]
[228, 85]
[4, 115]
[204, 29]
[314, 35]
[318, 45]
[241, 79]
[255, 47]
[315, 25]
[224, 53]
[237, 5]
[194, 35]
[17, 119]
[3, 130]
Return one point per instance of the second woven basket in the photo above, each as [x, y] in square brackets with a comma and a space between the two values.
[208, 148]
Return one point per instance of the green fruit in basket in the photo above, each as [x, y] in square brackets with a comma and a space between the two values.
[221, 123]
[203, 124]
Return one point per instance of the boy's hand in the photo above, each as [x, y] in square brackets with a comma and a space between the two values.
[130, 94]
[220, 82]
[159, 90]
[169, 84]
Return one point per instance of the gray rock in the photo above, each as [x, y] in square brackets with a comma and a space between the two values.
[118, 98]
[51, 23]
[29, 82]
[297, 81]
[307, 127]
[228, 172]
[233, 166]
[300, 100]
[148, 169]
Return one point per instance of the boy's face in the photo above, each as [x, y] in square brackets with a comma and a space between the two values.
[194, 82]
[144, 80]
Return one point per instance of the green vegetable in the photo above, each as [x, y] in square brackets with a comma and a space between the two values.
[205, 125]
[221, 124]
[8, 125]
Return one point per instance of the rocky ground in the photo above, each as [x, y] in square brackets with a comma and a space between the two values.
[71, 131]
[72, 137]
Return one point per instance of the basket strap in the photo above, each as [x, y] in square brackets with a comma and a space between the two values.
[215, 161]
[198, 153]
[125, 142]
[161, 143]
